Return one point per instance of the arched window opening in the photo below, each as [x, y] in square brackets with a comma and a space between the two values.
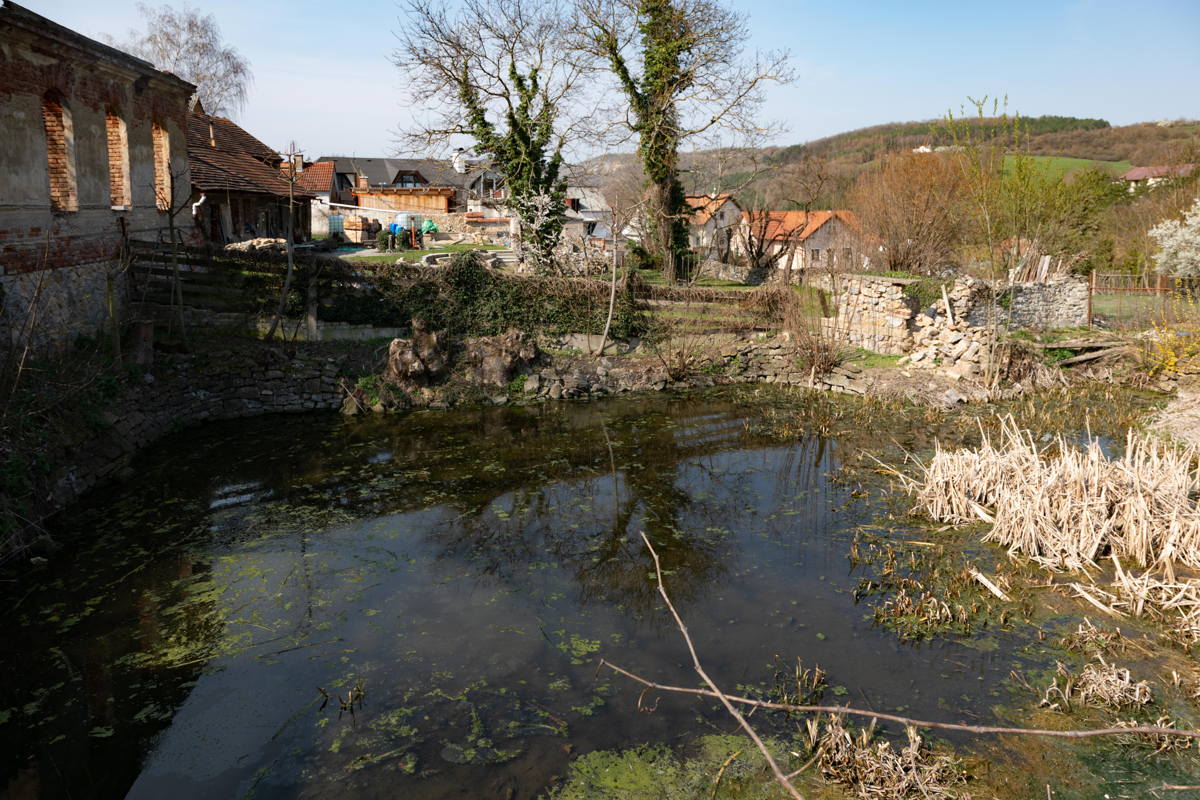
[60, 153]
[162, 166]
[119, 189]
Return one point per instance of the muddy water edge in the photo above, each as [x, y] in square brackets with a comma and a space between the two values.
[414, 605]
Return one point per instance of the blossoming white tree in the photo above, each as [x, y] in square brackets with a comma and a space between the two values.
[1179, 244]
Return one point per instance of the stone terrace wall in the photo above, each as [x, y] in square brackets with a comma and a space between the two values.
[873, 313]
[181, 390]
[1060, 302]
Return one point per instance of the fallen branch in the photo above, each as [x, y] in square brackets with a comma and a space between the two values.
[1150, 730]
[1066, 362]
[715, 692]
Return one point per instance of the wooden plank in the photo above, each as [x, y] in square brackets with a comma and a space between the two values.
[1066, 362]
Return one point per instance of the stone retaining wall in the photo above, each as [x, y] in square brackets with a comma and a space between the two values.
[182, 390]
[734, 272]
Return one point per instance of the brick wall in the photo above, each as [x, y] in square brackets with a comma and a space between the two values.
[118, 159]
[60, 157]
[162, 165]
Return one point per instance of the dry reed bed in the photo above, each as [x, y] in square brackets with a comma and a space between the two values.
[1066, 507]
[876, 770]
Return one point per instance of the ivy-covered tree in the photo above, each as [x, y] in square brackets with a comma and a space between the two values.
[679, 68]
[493, 71]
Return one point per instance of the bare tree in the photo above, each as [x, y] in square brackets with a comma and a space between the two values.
[912, 206]
[494, 70]
[778, 203]
[679, 67]
[188, 43]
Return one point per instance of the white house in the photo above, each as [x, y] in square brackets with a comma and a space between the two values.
[713, 222]
[803, 240]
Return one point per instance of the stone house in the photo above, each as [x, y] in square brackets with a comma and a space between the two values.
[92, 149]
[240, 186]
[712, 224]
[800, 241]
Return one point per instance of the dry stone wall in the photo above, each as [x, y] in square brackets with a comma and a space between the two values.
[873, 313]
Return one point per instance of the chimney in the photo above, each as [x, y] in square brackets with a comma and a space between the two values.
[297, 163]
[212, 136]
[361, 182]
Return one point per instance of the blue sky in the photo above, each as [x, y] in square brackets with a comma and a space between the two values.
[323, 77]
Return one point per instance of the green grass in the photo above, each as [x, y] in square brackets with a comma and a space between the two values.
[415, 255]
[1061, 166]
[867, 358]
[654, 278]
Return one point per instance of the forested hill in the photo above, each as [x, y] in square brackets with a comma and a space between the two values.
[1072, 137]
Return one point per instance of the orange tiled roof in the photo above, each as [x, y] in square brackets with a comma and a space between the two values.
[317, 177]
[704, 206]
[795, 225]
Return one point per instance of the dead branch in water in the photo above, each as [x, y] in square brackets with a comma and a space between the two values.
[715, 692]
[728, 701]
[1149, 730]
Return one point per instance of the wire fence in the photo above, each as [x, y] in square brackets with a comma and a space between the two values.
[1121, 301]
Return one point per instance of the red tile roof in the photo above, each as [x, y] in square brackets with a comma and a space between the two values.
[704, 206]
[317, 177]
[795, 225]
[237, 163]
[1161, 171]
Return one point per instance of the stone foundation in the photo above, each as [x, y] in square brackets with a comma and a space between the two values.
[49, 309]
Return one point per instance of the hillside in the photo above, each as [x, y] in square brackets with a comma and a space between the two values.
[1062, 145]
[1142, 144]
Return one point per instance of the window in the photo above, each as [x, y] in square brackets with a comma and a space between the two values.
[408, 180]
[814, 256]
[847, 257]
[60, 153]
[118, 160]
[162, 166]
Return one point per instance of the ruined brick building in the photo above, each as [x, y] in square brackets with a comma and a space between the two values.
[93, 147]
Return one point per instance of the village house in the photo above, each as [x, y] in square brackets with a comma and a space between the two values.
[802, 240]
[588, 214]
[241, 188]
[712, 224]
[377, 189]
[1151, 176]
[93, 150]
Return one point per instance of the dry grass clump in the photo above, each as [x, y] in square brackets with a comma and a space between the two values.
[1065, 506]
[1099, 684]
[1088, 638]
[1162, 742]
[876, 770]
[1174, 602]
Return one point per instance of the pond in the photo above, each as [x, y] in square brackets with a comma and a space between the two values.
[414, 605]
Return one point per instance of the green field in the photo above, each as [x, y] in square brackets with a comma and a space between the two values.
[1060, 166]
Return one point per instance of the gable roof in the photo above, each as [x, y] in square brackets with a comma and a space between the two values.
[317, 177]
[795, 225]
[705, 206]
[237, 163]
[1160, 171]
[383, 171]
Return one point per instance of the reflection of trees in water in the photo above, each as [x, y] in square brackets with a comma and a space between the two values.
[635, 469]
[87, 714]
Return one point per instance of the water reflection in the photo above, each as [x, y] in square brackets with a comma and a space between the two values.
[465, 569]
